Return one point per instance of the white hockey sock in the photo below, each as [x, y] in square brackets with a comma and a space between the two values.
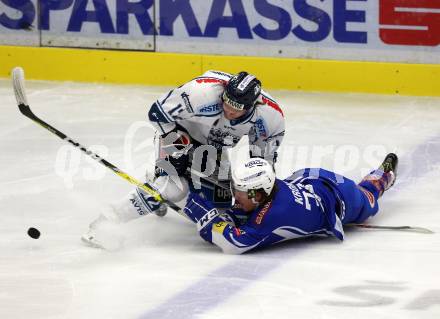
[173, 188]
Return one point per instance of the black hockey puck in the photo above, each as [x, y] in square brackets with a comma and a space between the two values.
[34, 233]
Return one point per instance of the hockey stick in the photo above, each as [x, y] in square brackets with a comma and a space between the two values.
[20, 96]
[401, 228]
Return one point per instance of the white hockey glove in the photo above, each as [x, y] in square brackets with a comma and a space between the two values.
[174, 148]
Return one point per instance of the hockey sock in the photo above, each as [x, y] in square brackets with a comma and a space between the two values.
[376, 182]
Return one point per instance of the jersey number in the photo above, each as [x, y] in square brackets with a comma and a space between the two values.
[304, 193]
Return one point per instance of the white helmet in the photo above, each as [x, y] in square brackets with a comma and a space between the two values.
[253, 175]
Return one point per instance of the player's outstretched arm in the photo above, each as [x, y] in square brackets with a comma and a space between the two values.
[235, 240]
[220, 228]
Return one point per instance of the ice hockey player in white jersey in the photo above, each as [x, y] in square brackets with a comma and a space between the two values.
[218, 109]
[196, 122]
[212, 113]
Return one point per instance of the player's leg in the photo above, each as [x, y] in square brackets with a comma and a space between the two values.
[356, 202]
[200, 169]
[375, 184]
[138, 203]
[171, 159]
[361, 200]
[343, 195]
[381, 179]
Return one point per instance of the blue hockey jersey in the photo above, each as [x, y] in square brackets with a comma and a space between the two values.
[302, 206]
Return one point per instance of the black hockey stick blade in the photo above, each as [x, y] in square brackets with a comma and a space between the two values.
[22, 102]
[414, 229]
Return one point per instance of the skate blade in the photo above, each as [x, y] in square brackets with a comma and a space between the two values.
[91, 242]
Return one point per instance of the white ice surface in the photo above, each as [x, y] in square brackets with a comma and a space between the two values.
[164, 270]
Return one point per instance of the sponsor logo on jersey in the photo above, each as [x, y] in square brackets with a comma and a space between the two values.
[219, 227]
[188, 106]
[219, 138]
[210, 109]
[260, 128]
[229, 128]
[262, 213]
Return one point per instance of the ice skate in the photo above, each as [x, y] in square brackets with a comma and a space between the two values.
[385, 176]
[389, 167]
[89, 238]
[162, 210]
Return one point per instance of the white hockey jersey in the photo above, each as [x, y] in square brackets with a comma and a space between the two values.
[198, 108]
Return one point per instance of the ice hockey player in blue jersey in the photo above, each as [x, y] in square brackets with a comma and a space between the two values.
[311, 202]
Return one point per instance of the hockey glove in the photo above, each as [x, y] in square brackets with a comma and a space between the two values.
[174, 148]
[203, 213]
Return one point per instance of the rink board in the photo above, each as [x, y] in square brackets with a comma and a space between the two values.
[152, 68]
